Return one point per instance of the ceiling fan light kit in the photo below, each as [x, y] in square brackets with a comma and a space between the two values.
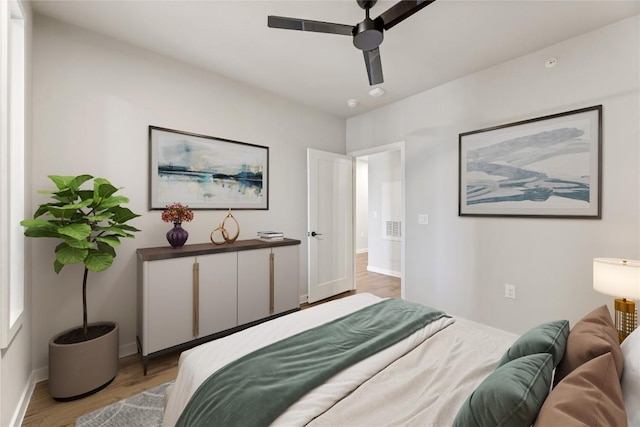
[367, 35]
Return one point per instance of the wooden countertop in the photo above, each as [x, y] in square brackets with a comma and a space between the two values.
[166, 252]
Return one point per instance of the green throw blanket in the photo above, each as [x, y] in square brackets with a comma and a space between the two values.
[255, 389]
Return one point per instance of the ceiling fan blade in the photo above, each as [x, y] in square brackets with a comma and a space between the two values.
[401, 11]
[374, 66]
[307, 25]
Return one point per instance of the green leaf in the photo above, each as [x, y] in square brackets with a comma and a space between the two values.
[85, 194]
[79, 244]
[126, 227]
[76, 231]
[41, 232]
[98, 218]
[42, 209]
[106, 190]
[57, 266]
[98, 261]
[61, 181]
[65, 254]
[122, 215]
[113, 230]
[111, 202]
[109, 240]
[78, 181]
[65, 195]
[102, 247]
[121, 229]
[98, 182]
[38, 223]
[59, 212]
[83, 204]
[62, 199]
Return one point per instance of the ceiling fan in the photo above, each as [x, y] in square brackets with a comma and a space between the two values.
[367, 35]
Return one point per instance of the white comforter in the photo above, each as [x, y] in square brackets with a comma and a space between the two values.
[426, 387]
[197, 364]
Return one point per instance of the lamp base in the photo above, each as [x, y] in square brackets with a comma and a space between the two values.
[626, 317]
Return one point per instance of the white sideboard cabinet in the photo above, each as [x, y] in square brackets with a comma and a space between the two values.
[197, 293]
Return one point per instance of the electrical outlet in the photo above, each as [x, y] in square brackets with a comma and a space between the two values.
[510, 291]
[423, 219]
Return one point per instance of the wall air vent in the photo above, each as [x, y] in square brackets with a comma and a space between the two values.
[393, 230]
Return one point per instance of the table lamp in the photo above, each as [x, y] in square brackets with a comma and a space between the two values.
[619, 278]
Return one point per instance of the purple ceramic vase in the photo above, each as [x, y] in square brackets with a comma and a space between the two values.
[177, 236]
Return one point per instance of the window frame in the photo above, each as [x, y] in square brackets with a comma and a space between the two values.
[12, 167]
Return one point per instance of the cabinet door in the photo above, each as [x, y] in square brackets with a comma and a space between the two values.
[253, 285]
[169, 303]
[286, 275]
[218, 297]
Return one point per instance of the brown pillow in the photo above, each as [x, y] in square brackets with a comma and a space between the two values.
[593, 335]
[589, 396]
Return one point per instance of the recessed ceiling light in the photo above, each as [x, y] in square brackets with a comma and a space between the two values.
[353, 103]
[551, 62]
[376, 92]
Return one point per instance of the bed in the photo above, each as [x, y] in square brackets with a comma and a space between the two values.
[443, 374]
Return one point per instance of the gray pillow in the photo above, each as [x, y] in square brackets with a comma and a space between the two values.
[550, 337]
[510, 396]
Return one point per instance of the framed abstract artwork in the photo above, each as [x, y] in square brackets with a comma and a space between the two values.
[206, 172]
[544, 167]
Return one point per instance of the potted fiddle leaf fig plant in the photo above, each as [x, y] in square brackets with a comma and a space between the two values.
[89, 220]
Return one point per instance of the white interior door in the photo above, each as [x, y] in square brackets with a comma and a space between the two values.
[330, 224]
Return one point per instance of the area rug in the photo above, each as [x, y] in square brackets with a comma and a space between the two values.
[141, 410]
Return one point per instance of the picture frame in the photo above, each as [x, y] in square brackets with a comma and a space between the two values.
[546, 167]
[206, 172]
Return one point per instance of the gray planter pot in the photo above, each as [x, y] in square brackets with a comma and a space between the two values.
[80, 369]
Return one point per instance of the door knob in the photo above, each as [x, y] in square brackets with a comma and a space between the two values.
[314, 234]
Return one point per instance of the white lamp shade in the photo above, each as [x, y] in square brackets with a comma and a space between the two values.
[617, 277]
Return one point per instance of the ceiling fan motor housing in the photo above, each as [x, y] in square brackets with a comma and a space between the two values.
[368, 34]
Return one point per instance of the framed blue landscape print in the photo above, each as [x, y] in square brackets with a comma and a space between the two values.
[544, 167]
[206, 172]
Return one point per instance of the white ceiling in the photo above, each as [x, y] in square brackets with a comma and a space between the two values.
[446, 40]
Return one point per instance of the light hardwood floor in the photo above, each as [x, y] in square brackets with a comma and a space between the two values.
[44, 411]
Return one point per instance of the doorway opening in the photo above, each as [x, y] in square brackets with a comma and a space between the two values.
[379, 220]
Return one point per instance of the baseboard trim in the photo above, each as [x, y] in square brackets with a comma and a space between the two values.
[40, 374]
[384, 271]
[21, 409]
[128, 349]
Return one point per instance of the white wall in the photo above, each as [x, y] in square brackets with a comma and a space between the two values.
[362, 205]
[460, 264]
[94, 98]
[16, 383]
[384, 204]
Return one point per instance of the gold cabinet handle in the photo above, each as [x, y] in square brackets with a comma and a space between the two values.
[271, 283]
[196, 299]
